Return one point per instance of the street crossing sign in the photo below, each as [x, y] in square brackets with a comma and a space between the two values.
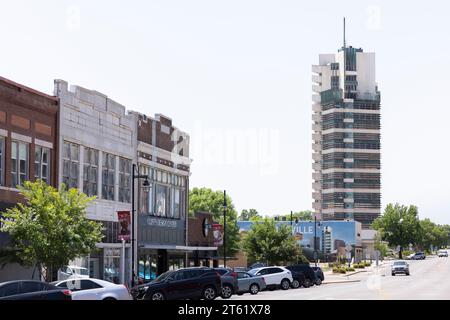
[348, 248]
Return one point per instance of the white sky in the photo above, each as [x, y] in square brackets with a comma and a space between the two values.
[225, 69]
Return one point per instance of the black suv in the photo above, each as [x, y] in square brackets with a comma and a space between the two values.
[298, 279]
[187, 283]
[310, 276]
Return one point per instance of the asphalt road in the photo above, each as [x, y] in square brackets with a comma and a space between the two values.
[429, 279]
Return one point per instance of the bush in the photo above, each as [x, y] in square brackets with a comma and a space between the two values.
[342, 270]
[350, 269]
[368, 263]
[335, 270]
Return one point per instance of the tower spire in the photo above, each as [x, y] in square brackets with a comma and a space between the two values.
[344, 32]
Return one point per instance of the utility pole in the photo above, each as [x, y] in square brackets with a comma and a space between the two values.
[291, 219]
[315, 240]
[224, 228]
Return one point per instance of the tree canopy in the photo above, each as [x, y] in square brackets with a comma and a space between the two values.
[271, 245]
[50, 229]
[207, 200]
[247, 215]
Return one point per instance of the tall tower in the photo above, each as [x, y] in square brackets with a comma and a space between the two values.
[346, 137]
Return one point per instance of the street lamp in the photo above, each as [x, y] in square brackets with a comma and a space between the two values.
[224, 228]
[400, 256]
[145, 188]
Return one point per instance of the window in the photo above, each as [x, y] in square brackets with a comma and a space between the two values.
[90, 172]
[124, 180]
[2, 153]
[42, 164]
[109, 170]
[71, 164]
[146, 198]
[19, 159]
[161, 200]
[9, 289]
[175, 203]
[31, 286]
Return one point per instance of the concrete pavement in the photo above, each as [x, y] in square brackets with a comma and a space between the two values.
[429, 279]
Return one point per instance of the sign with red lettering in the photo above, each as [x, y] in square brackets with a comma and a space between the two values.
[124, 218]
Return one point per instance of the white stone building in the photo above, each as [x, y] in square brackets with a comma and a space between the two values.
[97, 143]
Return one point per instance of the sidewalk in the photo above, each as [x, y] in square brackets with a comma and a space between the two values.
[331, 277]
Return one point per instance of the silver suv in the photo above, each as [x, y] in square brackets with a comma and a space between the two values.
[400, 267]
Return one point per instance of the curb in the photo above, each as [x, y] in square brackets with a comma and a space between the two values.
[340, 281]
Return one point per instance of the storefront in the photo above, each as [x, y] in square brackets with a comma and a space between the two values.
[202, 249]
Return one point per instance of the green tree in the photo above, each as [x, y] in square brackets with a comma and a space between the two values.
[400, 225]
[248, 215]
[50, 229]
[381, 245]
[432, 235]
[271, 245]
[306, 215]
[207, 200]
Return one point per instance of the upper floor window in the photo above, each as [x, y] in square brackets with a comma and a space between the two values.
[71, 165]
[124, 180]
[42, 164]
[90, 171]
[2, 155]
[19, 163]
[108, 176]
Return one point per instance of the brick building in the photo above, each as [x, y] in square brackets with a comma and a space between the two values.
[28, 149]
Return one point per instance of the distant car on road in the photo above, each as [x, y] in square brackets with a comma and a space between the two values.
[418, 256]
[94, 289]
[229, 282]
[250, 283]
[187, 283]
[400, 267]
[32, 290]
[442, 253]
[275, 277]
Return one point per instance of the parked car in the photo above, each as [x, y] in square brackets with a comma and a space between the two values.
[187, 283]
[319, 273]
[418, 256]
[442, 253]
[32, 290]
[310, 276]
[94, 289]
[250, 283]
[72, 272]
[298, 279]
[400, 267]
[229, 282]
[275, 277]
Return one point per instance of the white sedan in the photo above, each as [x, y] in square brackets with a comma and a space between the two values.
[94, 289]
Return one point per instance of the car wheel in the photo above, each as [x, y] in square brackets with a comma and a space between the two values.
[254, 289]
[318, 282]
[393, 274]
[307, 283]
[407, 274]
[157, 296]
[109, 299]
[285, 284]
[209, 293]
[295, 284]
[227, 291]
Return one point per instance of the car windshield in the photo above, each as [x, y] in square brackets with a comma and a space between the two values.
[164, 276]
[396, 263]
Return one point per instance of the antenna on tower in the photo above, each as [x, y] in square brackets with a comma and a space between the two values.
[344, 32]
